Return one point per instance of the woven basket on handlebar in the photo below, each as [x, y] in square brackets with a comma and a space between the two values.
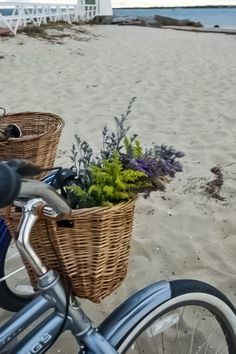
[91, 248]
[39, 140]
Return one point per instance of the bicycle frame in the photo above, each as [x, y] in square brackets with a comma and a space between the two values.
[53, 297]
[93, 340]
[52, 303]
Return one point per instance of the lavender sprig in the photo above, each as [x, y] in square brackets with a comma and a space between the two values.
[163, 152]
[112, 141]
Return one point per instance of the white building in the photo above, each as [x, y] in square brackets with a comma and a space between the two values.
[40, 11]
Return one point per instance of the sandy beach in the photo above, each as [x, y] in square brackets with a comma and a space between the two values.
[185, 84]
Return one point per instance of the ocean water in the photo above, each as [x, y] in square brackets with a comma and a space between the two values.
[225, 17]
[6, 12]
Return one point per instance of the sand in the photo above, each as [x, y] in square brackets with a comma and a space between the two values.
[185, 84]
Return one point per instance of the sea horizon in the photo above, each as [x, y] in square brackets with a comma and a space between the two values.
[209, 16]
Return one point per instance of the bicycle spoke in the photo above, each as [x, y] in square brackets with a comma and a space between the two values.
[178, 325]
[139, 348]
[162, 340]
[15, 274]
[12, 273]
[220, 347]
[14, 255]
[187, 335]
[193, 333]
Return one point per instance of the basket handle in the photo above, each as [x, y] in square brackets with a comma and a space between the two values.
[4, 112]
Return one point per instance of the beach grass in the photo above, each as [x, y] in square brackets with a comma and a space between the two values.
[41, 31]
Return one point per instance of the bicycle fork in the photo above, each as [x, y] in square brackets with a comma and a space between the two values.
[62, 314]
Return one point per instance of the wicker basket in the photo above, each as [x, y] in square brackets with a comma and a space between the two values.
[39, 140]
[91, 248]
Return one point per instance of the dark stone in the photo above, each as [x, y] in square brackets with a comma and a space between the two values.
[152, 23]
[156, 21]
[118, 20]
[169, 21]
[149, 21]
[127, 21]
[103, 20]
[216, 26]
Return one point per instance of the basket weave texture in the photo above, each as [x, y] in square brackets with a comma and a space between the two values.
[91, 248]
[40, 136]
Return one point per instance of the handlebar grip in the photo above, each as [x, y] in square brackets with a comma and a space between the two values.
[10, 184]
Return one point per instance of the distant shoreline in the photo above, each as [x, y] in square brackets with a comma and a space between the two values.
[210, 16]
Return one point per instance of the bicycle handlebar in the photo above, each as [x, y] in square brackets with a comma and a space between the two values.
[12, 186]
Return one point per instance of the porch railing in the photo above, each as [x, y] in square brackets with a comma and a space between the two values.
[36, 13]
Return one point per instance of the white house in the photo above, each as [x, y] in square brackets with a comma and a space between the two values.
[40, 11]
[105, 7]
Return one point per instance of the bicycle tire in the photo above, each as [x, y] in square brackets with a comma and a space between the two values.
[9, 300]
[185, 293]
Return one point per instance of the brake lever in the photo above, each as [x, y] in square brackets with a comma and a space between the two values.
[25, 169]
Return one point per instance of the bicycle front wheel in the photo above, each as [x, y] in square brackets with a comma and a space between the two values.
[198, 319]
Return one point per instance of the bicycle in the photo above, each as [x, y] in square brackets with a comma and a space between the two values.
[182, 316]
[15, 295]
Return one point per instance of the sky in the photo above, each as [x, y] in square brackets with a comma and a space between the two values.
[140, 3]
[170, 3]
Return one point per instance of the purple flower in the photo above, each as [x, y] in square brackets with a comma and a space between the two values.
[156, 163]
